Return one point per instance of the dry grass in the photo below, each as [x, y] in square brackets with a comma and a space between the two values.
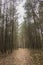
[37, 57]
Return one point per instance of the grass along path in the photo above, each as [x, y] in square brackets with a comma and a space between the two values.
[37, 57]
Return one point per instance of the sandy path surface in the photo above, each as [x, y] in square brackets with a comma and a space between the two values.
[18, 57]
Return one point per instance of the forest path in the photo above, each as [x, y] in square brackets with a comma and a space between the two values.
[18, 57]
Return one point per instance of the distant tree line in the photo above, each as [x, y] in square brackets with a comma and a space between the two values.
[8, 26]
[32, 27]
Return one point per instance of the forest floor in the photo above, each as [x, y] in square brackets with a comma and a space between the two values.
[22, 57]
[37, 57]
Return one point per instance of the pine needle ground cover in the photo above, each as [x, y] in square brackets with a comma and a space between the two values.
[37, 57]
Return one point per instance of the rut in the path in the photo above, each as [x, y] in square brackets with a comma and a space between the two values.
[18, 57]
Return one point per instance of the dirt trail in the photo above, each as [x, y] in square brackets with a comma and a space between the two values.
[18, 57]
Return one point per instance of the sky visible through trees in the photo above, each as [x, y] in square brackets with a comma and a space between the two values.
[20, 8]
